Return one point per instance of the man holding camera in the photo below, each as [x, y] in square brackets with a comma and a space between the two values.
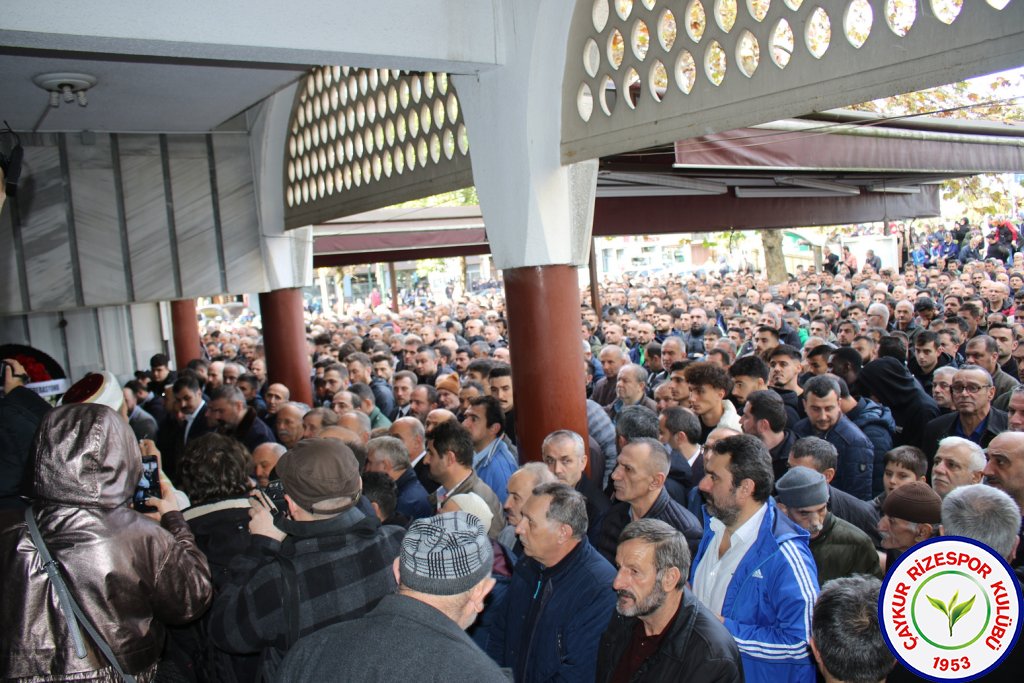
[320, 562]
[21, 411]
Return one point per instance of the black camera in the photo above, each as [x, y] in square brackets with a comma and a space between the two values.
[274, 490]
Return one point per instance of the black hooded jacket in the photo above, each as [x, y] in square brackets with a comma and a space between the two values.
[890, 383]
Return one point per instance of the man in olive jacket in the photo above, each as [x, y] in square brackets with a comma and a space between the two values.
[659, 630]
[839, 548]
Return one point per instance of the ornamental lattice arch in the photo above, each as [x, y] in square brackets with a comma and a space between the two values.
[641, 73]
[360, 139]
[638, 73]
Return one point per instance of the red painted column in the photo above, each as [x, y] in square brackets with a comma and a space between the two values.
[284, 338]
[185, 328]
[394, 286]
[548, 380]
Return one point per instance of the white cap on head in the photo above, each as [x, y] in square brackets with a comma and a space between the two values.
[474, 505]
[96, 387]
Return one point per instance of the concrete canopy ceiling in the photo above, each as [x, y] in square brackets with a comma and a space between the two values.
[191, 65]
[136, 94]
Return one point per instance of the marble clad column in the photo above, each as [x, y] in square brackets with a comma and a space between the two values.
[284, 338]
[185, 323]
[538, 213]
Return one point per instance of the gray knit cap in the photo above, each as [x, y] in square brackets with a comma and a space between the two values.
[801, 487]
[445, 555]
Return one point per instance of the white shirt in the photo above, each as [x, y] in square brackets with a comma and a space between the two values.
[417, 460]
[699, 452]
[713, 576]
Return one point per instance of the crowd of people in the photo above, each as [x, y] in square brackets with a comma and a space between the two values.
[757, 456]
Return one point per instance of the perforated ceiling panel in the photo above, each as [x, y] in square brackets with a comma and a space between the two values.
[647, 72]
[362, 139]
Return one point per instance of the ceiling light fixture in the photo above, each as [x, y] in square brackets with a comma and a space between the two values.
[69, 86]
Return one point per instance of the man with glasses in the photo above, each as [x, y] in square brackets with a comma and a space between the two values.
[974, 417]
[983, 351]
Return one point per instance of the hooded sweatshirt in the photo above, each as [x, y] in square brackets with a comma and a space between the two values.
[889, 382]
[129, 574]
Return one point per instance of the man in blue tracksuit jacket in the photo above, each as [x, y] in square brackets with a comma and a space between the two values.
[754, 567]
[560, 599]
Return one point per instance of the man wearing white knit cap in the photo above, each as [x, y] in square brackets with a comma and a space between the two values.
[443, 575]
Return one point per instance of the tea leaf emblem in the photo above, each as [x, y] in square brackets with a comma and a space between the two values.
[954, 612]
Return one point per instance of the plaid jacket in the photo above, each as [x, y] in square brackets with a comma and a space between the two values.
[323, 573]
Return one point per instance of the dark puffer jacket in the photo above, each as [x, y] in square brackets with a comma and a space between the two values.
[889, 382]
[877, 424]
[856, 455]
[129, 575]
[553, 617]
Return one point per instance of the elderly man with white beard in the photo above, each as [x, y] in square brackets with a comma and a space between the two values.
[958, 462]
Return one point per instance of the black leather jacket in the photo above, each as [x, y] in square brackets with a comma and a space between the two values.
[697, 648]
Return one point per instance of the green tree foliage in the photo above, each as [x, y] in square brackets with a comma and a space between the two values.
[998, 98]
[465, 197]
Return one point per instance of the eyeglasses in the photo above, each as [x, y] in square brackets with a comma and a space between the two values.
[941, 385]
[968, 388]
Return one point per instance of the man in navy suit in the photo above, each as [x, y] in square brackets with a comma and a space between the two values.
[189, 403]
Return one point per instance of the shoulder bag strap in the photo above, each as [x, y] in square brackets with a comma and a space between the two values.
[72, 612]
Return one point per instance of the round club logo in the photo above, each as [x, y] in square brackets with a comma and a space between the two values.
[950, 609]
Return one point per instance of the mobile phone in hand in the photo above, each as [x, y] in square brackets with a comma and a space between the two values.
[149, 484]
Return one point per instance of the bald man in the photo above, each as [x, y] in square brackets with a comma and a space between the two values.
[438, 416]
[1005, 471]
[264, 459]
[357, 422]
[612, 358]
[289, 423]
[276, 396]
[338, 432]
[520, 487]
[412, 433]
